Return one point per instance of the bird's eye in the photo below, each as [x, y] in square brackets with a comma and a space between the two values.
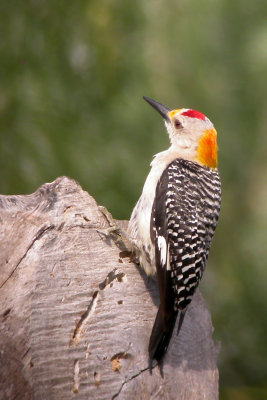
[177, 123]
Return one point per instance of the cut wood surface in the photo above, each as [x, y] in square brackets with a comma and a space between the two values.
[76, 312]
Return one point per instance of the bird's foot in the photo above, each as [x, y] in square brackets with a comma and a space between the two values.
[115, 231]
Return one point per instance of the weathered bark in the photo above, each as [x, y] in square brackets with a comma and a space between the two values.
[76, 313]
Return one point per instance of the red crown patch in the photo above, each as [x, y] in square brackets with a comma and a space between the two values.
[194, 114]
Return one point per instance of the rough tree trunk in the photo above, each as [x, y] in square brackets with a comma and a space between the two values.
[76, 313]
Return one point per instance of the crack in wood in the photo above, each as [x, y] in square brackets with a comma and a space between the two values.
[85, 316]
[38, 235]
[76, 376]
[122, 354]
[110, 278]
[91, 308]
[6, 313]
[97, 378]
[115, 360]
[128, 380]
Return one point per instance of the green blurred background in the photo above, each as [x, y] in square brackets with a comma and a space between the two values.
[72, 76]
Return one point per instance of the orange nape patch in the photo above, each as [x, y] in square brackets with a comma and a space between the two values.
[173, 112]
[207, 148]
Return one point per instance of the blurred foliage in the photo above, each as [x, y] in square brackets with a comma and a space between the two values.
[72, 75]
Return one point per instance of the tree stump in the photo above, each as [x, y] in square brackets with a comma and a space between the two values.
[76, 312]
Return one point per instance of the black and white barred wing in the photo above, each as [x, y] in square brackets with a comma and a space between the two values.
[184, 217]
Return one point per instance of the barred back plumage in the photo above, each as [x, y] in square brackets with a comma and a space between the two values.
[188, 197]
[184, 217]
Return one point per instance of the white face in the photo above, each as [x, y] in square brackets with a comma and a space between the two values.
[185, 131]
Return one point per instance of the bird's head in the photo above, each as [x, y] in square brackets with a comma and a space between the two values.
[190, 132]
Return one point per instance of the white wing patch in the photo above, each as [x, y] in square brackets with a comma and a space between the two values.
[168, 259]
[164, 256]
[162, 246]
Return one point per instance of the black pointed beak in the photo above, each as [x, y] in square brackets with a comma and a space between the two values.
[163, 110]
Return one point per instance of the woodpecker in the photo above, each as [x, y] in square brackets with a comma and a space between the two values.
[173, 223]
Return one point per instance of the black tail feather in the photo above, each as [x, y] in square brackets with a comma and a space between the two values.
[180, 323]
[160, 336]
